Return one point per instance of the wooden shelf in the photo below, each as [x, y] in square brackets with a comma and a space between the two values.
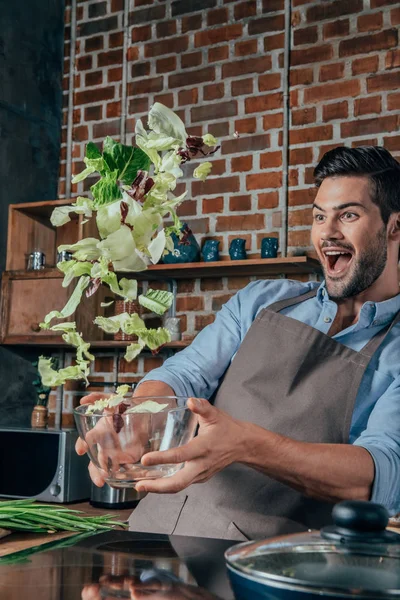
[58, 342]
[223, 268]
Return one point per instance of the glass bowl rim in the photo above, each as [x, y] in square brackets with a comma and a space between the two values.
[77, 409]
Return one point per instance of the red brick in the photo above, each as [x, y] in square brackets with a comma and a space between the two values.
[392, 143]
[214, 92]
[114, 75]
[147, 14]
[274, 42]
[83, 63]
[367, 105]
[217, 16]
[93, 96]
[266, 24]
[220, 185]
[300, 217]
[113, 110]
[245, 48]
[152, 362]
[337, 110]
[270, 160]
[191, 23]
[240, 203]
[191, 77]
[242, 163]
[185, 286]
[330, 91]
[381, 3]
[102, 130]
[240, 222]
[242, 87]
[218, 167]
[300, 238]
[184, 304]
[270, 81]
[216, 36]
[304, 116]
[311, 134]
[300, 156]
[94, 43]
[116, 40]
[170, 46]
[166, 29]
[300, 197]
[268, 200]
[237, 283]
[372, 22]
[213, 205]
[235, 68]
[80, 134]
[314, 54]
[187, 208]
[167, 99]
[148, 85]
[264, 103]
[336, 29]
[331, 71]
[272, 5]
[93, 113]
[272, 121]
[221, 129]
[386, 81]
[117, 5]
[188, 97]
[368, 126]
[201, 321]
[199, 225]
[138, 105]
[245, 9]
[219, 53]
[166, 65]
[214, 111]
[191, 59]
[141, 69]
[395, 16]
[305, 35]
[369, 64]
[268, 179]
[393, 101]
[219, 301]
[364, 142]
[246, 125]
[141, 34]
[369, 43]
[392, 59]
[93, 78]
[245, 144]
[334, 9]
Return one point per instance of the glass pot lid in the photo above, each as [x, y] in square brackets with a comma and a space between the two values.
[356, 556]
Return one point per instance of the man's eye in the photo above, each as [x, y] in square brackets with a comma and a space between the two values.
[318, 217]
[349, 215]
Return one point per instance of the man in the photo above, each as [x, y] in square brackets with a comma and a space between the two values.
[306, 379]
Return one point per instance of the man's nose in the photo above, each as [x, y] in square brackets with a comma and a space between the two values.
[331, 230]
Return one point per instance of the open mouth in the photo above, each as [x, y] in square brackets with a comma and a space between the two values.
[337, 261]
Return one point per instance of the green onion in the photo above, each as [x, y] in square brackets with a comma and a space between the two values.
[27, 515]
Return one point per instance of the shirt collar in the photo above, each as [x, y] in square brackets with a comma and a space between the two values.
[376, 313]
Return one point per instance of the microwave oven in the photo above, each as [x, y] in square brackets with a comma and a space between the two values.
[42, 464]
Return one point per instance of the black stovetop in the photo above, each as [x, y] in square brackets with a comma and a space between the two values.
[119, 564]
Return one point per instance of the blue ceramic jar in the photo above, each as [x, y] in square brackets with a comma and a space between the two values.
[237, 249]
[210, 250]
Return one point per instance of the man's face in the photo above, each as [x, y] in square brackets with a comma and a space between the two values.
[349, 235]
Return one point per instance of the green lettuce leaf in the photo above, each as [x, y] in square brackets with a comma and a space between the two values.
[158, 301]
[71, 305]
[85, 249]
[92, 151]
[52, 378]
[106, 190]
[133, 350]
[157, 247]
[72, 269]
[126, 160]
[202, 171]
[60, 215]
[154, 338]
[164, 122]
[128, 323]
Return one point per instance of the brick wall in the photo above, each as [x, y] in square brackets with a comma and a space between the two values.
[219, 64]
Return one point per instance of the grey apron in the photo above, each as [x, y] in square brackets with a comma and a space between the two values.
[290, 379]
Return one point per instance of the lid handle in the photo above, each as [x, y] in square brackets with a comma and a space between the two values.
[359, 521]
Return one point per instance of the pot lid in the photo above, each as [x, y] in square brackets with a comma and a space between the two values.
[356, 556]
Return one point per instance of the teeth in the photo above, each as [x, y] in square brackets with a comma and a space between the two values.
[334, 253]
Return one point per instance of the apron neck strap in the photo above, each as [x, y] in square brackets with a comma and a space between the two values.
[281, 304]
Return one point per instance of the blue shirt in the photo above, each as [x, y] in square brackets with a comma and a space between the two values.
[375, 422]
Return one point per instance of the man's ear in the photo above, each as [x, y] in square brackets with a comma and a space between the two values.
[394, 227]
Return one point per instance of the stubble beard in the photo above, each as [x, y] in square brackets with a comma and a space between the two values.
[365, 271]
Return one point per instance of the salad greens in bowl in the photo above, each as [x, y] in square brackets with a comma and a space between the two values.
[120, 429]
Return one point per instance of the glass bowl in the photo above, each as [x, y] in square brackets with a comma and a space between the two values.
[116, 442]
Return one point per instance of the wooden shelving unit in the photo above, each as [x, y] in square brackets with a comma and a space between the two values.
[58, 342]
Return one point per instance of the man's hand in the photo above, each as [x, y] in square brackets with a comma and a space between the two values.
[217, 445]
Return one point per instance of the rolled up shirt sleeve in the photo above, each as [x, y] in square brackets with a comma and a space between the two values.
[381, 439]
[197, 370]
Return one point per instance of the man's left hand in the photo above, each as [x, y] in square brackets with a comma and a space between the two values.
[217, 445]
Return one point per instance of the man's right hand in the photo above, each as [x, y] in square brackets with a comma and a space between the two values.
[148, 388]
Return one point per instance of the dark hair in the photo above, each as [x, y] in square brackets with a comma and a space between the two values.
[374, 162]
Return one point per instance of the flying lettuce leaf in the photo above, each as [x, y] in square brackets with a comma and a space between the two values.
[149, 406]
[133, 350]
[71, 305]
[120, 248]
[157, 247]
[60, 215]
[85, 249]
[154, 338]
[164, 122]
[125, 160]
[202, 171]
[52, 378]
[128, 323]
[158, 301]
[106, 190]
[72, 269]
